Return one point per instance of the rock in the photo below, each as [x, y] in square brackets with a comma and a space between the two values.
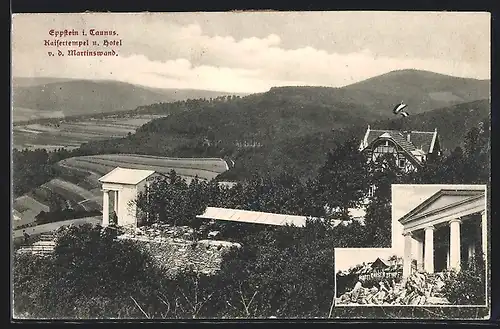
[437, 301]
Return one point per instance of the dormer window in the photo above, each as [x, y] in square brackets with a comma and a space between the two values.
[401, 163]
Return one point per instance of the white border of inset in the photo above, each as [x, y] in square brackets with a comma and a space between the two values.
[394, 246]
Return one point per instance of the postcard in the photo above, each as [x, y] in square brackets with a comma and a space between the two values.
[251, 165]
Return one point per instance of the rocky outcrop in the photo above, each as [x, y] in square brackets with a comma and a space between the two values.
[418, 289]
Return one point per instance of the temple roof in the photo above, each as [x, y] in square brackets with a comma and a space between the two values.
[436, 202]
[126, 176]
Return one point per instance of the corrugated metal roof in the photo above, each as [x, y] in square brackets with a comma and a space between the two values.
[253, 217]
[126, 176]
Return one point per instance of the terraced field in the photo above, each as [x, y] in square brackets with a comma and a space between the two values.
[78, 187]
[73, 134]
[204, 168]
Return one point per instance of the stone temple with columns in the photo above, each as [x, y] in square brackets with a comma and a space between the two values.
[450, 228]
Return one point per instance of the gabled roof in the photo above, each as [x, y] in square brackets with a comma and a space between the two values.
[382, 261]
[423, 140]
[468, 195]
[252, 217]
[126, 176]
[413, 142]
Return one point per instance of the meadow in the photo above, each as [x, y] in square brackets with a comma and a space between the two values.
[77, 187]
[71, 134]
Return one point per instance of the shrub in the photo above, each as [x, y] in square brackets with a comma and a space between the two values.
[467, 287]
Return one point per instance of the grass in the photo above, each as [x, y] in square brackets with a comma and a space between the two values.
[26, 202]
[46, 135]
[186, 167]
[209, 164]
[77, 186]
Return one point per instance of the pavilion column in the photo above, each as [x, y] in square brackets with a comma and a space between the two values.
[407, 258]
[105, 208]
[429, 250]
[484, 233]
[455, 244]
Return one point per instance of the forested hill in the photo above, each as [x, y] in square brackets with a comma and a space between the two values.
[295, 150]
[304, 155]
[422, 90]
[452, 122]
[288, 112]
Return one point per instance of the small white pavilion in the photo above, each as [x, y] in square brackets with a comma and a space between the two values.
[124, 185]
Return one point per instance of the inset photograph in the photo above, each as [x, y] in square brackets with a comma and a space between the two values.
[438, 256]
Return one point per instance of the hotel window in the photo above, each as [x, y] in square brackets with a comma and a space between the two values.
[382, 148]
[371, 191]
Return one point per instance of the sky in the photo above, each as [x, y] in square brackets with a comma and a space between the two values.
[404, 199]
[253, 51]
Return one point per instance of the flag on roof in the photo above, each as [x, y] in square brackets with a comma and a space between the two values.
[399, 109]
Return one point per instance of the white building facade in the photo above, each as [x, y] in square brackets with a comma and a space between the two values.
[449, 228]
[120, 187]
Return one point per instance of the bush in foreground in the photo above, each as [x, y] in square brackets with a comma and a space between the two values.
[467, 287]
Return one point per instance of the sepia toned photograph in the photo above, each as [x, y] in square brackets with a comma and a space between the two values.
[438, 257]
[250, 165]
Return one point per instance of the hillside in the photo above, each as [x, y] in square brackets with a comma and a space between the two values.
[76, 191]
[234, 125]
[304, 155]
[293, 150]
[290, 112]
[42, 96]
[422, 91]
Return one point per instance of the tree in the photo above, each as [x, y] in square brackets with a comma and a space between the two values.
[378, 217]
[89, 275]
[284, 272]
[343, 181]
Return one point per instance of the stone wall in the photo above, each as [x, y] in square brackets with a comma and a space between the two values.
[178, 248]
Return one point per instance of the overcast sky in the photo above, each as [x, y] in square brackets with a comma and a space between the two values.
[251, 52]
[404, 199]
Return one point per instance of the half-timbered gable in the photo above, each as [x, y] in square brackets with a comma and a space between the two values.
[410, 148]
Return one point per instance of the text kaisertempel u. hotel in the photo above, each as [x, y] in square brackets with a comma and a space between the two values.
[81, 43]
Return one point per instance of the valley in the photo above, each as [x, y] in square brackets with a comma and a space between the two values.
[77, 190]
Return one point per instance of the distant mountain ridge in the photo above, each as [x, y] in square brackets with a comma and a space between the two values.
[75, 97]
[422, 91]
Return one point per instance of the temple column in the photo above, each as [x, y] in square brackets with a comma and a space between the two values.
[448, 258]
[420, 255]
[455, 244]
[115, 207]
[429, 250]
[105, 208]
[407, 258]
[484, 233]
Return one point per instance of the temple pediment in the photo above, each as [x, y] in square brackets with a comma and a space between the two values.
[444, 202]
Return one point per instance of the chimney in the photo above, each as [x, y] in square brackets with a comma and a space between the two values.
[408, 136]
